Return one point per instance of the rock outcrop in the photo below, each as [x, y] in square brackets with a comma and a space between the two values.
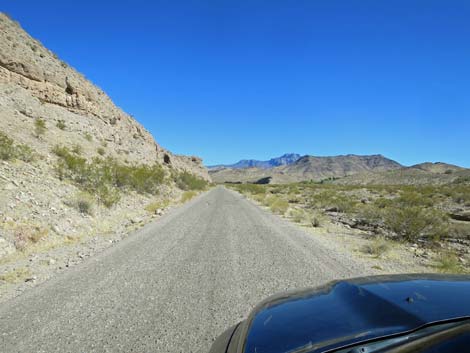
[35, 83]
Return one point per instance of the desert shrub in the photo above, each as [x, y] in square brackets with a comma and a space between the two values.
[101, 151]
[259, 197]
[383, 202]
[188, 181]
[105, 178]
[107, 194]
[25, 153]
[370, 213]
[459, 230]
[297, 215]
[187, 195]
[411, 222]
[61, 124]
[293, 198]
[9, 150]
[253, 189]
[39, 127]
[331, 199]
[60, 151]
[412, 199]
[448, 262]
[77, 149]
[16, 275]
[88, 137]
[315, 221]
[156, 205]
[83, 202]
[459, 193]
[377, 247]
[26, 234]
[141, 178]
[277, 205]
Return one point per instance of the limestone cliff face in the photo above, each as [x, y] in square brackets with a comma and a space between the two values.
[35, 83]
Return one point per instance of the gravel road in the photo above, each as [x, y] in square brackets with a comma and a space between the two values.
[174, 285]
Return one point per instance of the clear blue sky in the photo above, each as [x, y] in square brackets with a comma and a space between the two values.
[253, 79]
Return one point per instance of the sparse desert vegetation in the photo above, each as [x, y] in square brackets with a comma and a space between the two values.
[39, 127]
[10, 150]
[187, 195]
[106, 178]
[426, 216]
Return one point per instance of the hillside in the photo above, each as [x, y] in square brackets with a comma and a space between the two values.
[285, 159]
[438, 167]
[308, 168]
[35, 83]
[427, 175]
[72, 164]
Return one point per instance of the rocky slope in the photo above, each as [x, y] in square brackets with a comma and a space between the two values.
[45, 103]
[35, 83]
[308, 168]
[425, 174]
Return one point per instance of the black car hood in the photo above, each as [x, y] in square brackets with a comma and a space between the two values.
[352, 311]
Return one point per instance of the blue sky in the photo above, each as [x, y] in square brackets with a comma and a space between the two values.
[228, 80]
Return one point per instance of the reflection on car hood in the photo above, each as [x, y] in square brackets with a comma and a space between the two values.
[347, 312]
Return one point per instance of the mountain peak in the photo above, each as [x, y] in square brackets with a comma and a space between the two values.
[285, 159]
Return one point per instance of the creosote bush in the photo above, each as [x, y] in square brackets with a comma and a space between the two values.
[331, 199]
[106, 178]
[411, 222]
[188, 181]
[9, 150]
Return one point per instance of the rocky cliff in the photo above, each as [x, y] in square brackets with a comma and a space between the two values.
[35, 83]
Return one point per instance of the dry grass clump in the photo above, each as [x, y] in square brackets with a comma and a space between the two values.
[377, 247]
[27, 234]
[39, 127]
[448, 262]
[83, 202]
[297, 215]
[15, 276]
[187, 195]
[156, 205]
[276, 204]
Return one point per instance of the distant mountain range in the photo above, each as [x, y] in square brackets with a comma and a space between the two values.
[348, 169]
[285, 159]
